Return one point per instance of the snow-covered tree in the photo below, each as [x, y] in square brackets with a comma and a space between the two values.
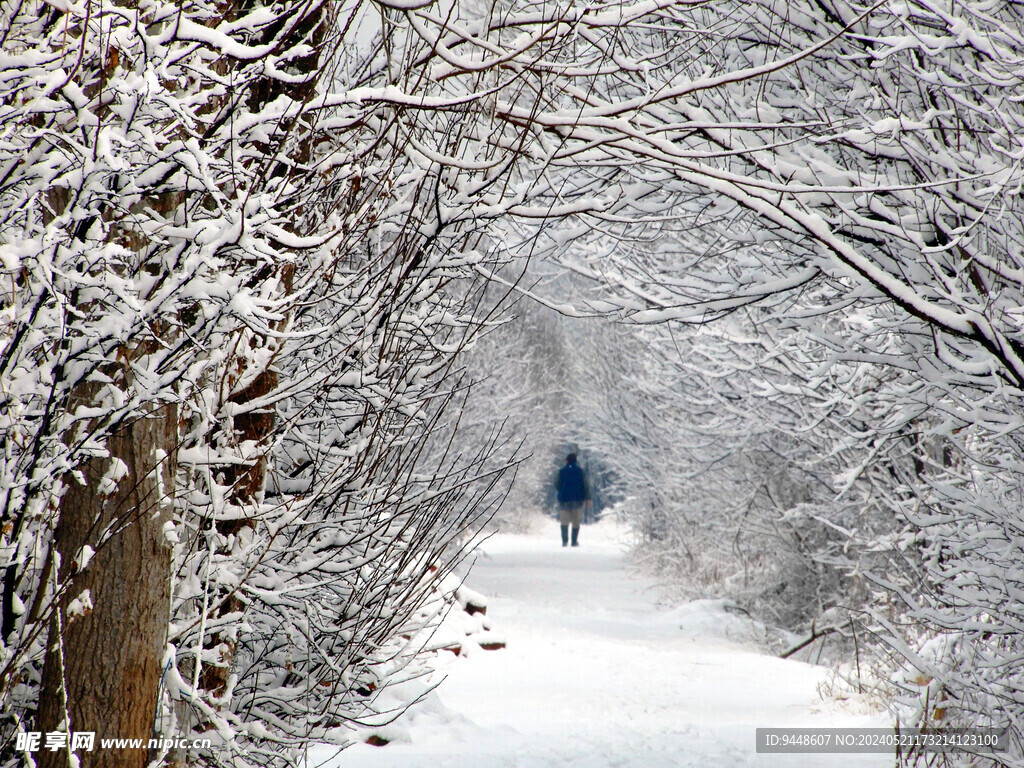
[850, 161]
[242, 247]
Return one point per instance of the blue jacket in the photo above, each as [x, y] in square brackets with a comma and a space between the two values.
[572, 488]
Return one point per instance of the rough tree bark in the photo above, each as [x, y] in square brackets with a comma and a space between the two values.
[104, 673]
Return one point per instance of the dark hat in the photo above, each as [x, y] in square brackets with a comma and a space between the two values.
[570, 459]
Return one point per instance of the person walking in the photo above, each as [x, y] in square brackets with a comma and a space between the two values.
[573, 493]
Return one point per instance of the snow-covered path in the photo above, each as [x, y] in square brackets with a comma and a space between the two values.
[596, 676]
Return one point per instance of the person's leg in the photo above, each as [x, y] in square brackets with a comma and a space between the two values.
[577, 517]
[565, 535]
[564, 518]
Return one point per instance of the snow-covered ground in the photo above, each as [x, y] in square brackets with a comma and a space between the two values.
[595, 675]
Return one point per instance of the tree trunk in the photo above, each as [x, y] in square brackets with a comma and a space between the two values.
[109, 659]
